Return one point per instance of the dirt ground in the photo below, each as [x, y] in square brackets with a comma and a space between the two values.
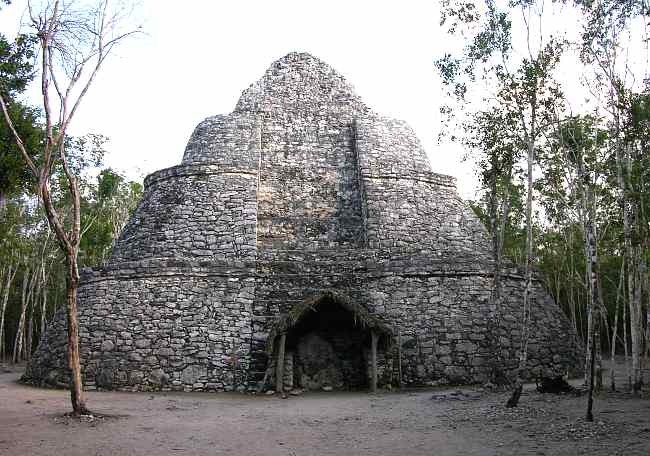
[423, 422]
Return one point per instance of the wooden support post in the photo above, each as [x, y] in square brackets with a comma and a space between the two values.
[373, 361]
[279, 365]
[399, 358]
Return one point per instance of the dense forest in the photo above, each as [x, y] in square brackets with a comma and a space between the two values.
[551, 100]
[33, 277]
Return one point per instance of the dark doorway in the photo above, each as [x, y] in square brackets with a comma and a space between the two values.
[329, 348]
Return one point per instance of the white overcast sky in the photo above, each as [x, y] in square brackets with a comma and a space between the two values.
[198, 56]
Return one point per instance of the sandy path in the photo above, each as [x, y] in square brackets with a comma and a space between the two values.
[406, 423]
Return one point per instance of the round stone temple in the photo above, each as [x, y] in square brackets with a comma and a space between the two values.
[303, 242]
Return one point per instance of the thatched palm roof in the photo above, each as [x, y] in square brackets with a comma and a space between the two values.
[362, 317]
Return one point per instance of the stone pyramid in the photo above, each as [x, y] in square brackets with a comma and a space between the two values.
[307, 232]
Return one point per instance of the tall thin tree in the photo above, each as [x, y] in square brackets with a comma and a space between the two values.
[74, 42]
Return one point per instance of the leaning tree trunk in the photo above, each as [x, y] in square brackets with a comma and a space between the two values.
[528, 292]
[612, 373]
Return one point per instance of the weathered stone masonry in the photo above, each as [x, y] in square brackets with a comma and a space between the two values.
[301, 193]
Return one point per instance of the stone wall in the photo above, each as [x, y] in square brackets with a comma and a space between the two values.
[300, 192]
[142, 330]
[145, 329]
[231, 141]
[407, 205]
[192, 212]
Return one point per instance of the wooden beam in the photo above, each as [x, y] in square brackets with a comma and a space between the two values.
[399, 357]
[373, 361]
[279, 364]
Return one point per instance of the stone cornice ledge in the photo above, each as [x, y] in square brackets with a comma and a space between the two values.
[428, 177]
[195, 170]
[368, 268]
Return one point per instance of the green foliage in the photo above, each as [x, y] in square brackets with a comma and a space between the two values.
[14, 175]
[16, 72]
[503, 98]
[110, 202]
[25, 238]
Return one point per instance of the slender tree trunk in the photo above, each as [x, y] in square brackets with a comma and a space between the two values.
[588, 214]
[599, 305]
[590, 323]
[599, 356]
[498, 220]
[647, 319]
[626, 353]
[72, 284]
[636, 324]
[528, 292]
[99, 33]
[612, 372]
[593, 309]
[635, 336]
[496, 274]
[18, 339]
[632, 257]
[572, 302]
[32, 294]
[9, 277]
[590, 393]
[29, 334]
[5, 270]
[621, 157]
[43, 286]
[43, 313]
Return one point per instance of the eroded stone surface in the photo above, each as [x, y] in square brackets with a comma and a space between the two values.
[301, 189]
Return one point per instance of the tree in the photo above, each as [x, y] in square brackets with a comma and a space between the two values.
[113, 201]
[607, 22]
[29, 255]
[522, 92]
[16, 72]
[578, 143]
[73, 43]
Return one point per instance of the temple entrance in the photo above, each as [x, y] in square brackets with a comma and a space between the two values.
[327, 343]
[328, 350]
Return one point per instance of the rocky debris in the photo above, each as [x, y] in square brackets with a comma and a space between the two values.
[90, 419]
[581, 430]
[457, 395]
[556, 385]
[536, 417]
